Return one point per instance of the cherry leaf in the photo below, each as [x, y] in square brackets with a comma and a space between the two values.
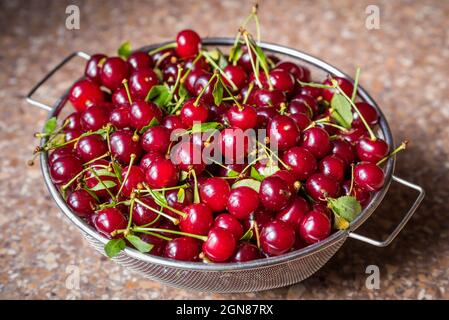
[235, 53]
[204, 127]
[218, 93]
[125, 50]
[50, 125]
[181, 195]
[342, 110]
[138, 243]
[255, 174]
[160, 95]
[248, 235]
[102, 185]
[114, 246]
[251, 183]
[233, 174]
[347, 207]
[153, 122]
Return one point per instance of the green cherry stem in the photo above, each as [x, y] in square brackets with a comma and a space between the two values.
[196, 194]
[180, 233]
[157, 235]
[356, 84]
[98, 158]
[184, 77]
[217, 67]
[169, 217]
[131, 161]
[170, 45]
[161, 204]
[273, 154]
[128, 93]
[130, 219]
[248, 93]
[230, 93]
[178, 81]
[197, 101]
[401, 147]
[91, 170]
[352, 179]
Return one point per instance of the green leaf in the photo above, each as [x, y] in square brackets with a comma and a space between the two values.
[233, 174]
[183, 175]
[153, 122]
[260, 55]
[181, 195]
[138, 243]
[218, 93]
[222, 62]
[182, 91]
[342, 110]
[114, 246]
[235, 53]
[50, 125]
[160, 95]
[270, 170]
[205, 126]
[346, 207]
[103, 185]
[125, 50]
[158, 197]
[57, 140]
[251, 183]
[92, 194]
[340, 223]
[255, 174]
[248, 235]
[118, 171]
[103, 172]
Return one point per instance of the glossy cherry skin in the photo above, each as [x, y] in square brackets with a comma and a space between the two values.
[283, 132]
[344, 84]
[188, 156]
[304, 103]
[113, 72]
[142, 215]
[148, 158]
[261, 216]
[368, 112]
[274, 193]
[203, 82]
[317, 141]
[199, 219]
[172, 122]
[120, 97]
[282, 80]
[82, 203]
[182, 249]
[230, 223]
[174, 202]
[142, 113]
[323, 208]
[188, 43]
[245, 59]
[301, 120]
[360, 194]
[94, 118]
[163, 57]
[162, 173]
[191, 79]
[301, 161]
[191, 113]
[93, 67]
[123, 145]
[344, 150]
[242, 202]
[220, 245]
[264, 115]
[108, 220]
[243, 117]
[214, 193]
[92, 181]
[277, 237]
[294, 212]
[310, 91]
[315, 227]
[320, 186]
[91, 147]
[298, 72]
[353, 135]
[158, 243]
[288, 177]
[234, 145]
[73, 121]
[371, 150]
[332, 166]
[140, 60]
[59, 153]
[246, 252]
[141, 82]
[120, 117]
[72, 135]
[237, 75]
[85, 94]
[267, 98]
[156, 139]
[369, 176]
[65, 168]
[133, 180]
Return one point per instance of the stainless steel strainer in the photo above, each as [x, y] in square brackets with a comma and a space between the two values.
[249, 276]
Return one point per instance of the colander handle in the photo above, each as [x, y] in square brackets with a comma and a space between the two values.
[42, 105]
[403, 222]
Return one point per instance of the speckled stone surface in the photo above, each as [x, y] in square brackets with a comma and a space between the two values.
[404, 66]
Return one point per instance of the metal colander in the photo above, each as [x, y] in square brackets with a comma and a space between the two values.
[249, 276]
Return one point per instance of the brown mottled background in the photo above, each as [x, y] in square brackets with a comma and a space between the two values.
[404, 65]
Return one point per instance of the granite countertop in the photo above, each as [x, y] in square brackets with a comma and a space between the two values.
[404, 67]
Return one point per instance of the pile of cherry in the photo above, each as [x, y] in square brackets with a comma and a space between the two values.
[110, 159]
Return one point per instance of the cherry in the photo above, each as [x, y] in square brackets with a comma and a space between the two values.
[82, 203]
[148, 158]
[214, 193]
[172, 122]
[192, 112]
[323, 208]
[301, 120]
[243, 117]
[230, 223]
[162, 173]
[93, 67]
[282, 80]
[94, 118]
[298, 72]
[158, 243]
[332, 166]
[369, 176]
[188, 156]
[303, 103]
[123, 145]
[109, 220]
[242, 202]
[170, 73]
[237, 75]
[301, 161]
[174, 202]
[156, 139]
[344, 84]
[191, 79]
[264, 114]
[277, 237]
[91, 147]
[368, 112]
[320, 186]
[245, 59]
[315, 227]
[261, 216]
[267, 98]
[344, 150]
[73, 121]
[203, 82]
[310, 91]
[353, 135]
[132, 180]
[283, 132]
[140, 60]
[120, 97]
[294, 212]
[65, 168]
[274, 193]
[201, 64]
[371, 150]
[92, 180]
[161, 58]
[360, 194]
[246, 252]
[220, 245]
[71, 135]
[182, 249]
[288, 177]
[188, 43]
[114, 70]
[142, 113]
[85, 94]
[198, 220]
[120, 117]
[59, 153]
[141, 82]
[234, 145]
[142, 215]
[317, 141]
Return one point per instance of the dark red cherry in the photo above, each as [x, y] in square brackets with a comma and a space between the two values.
[191, 79]
[353, 135]
[182, 249]
[294, 212]
[369, 176]
[360, 194]
[120, 97]
[106, 182]
[317, 141]
[237, 75]
[199, 219]
[371, 150]
[133, 180]
[282, 80]
[82, 203]
[301, 120]
[174, 201]
[188, 43]
[156, 139]
[310, 91]
[170, 73]
[315, 227]
[120, 117]
[161, 58]
[141, 82]
[230, 223]
[242, 202]
[289, 177]
[65, 168]
[142, 215]
[267, 98]
[59, 153]
[264, 115]
[220, 245]
[142, 113]
[85, 94]
[323, 208]
[94, 118]
[234, 144]
[301, 161]
[203, 82]
[214, 193]
[93, 67]
[140, 60]
[71, 135]
[243, 117]
[191, 113]
[188, 156]
[320, 186]
[246, 252]
[303, 103]
[73, 121]
[91, 147]
[123, 145]
[277, 237]
[245, 59]
[108, 220]
[162, 173]
[172, 122]
[332, 166]
[344, 84]
[261, 216]
[344, 150]
[283, 132]
[158, 243]
[368, 112]
[200, 64]
[274, 193]
[298, 72]
[113, 72]
[148, 158]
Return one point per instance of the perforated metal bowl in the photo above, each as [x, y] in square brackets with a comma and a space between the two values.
[255, 275]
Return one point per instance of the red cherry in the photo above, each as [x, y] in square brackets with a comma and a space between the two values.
[310, 91]
[72, 135]
[173, 201]
[85, 94]
[264, 115]
[320, 186]
[120, 117]
[371, 150]
[203, 82]
[303, 103]
[59, 153]
[294, 212]
[73, 121]
[109, 220]
[246, 252]
[360, 194]
[298, 72]
[161, 58]
[261, 216]
[120, 97]
[369, 176]
[243, 117]
[344, 150]
[353, 135]
[301, 120]
[142, 113]
[141, 82]
[317, 141]
[142, 215]
[82, 203]
[182, 249]
[214, 193]
[123, 145]
[301, 161]
[199, 219]
[242, 202]
[92, 180]
[172, 122]
[191, 79]
[344, 84]
[282, 80]
[162, 173]
[148, 158]
[91, 147]
[113, 72]
[267, 98]
[65, 168]
[323, 208]
[220, 245]
[332, 166]
[315, 227]
[94, 118]
[368, 112]
[237, 75]
[245, 59]
[191, 113]
[274, 193]
[283, 132]
[156, 139]
[158, 243]
[201, 64]
[132, 180]
[230, 223]
[234, 145]
[288, 177]
[93, 67]
[188, 156]
[277, 237]
[188, 43]
[140, 60]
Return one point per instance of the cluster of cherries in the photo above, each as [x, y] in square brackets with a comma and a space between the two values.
[114, 170]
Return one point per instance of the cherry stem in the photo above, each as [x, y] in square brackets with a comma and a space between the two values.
[91, 170]
[68, 184]
[217, 67]
[253, 66]
[196, 195]
[230, 93]
[183, 186]
[98, 158]
[402, 146]
[169, 217]
[131, 161]
[163, 205]
[178, 80]
[198, 57]
[197, 101]
[180, 233]
[130, 219]
[272, 153]
[170, 45]
[157, 235]
[352, 179]
[256, 230]
[259, 60]
[315, 85]
[356, 84]
[248, 93]
[128, 93]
